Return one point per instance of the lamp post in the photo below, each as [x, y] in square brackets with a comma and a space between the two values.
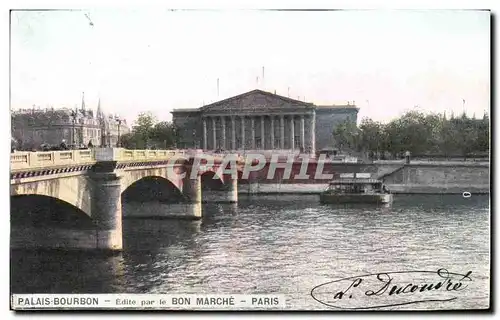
[195, 144]
[119, 121]
[73, 116]
[13, 127]
[176, 137]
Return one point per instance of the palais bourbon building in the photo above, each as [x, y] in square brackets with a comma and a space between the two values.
[260, 120]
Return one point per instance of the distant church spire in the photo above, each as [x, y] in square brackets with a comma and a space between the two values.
[102, 123]
[99, 110]
[83, 100]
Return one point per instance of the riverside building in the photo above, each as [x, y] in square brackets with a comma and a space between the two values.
[260, 120]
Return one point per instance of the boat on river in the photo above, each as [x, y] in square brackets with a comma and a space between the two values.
[356, 188]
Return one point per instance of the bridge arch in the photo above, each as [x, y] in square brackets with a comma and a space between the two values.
[130, 177]
[210, 180]
[42, 209]
[44, 221]
[74, 190]
[152, 188]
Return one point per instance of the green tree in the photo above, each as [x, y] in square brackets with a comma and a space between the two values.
[372, 137]
[419, 133]
[346, 136]
[163, 135]
[466, 134]
[132, 141]
[147, 132]
[447, 143]
[144, 123]
[483, 134]
[412, 132]
[433, 124]
[142, 129]
[394, 142]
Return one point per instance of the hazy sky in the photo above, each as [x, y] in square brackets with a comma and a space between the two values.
[385, 61]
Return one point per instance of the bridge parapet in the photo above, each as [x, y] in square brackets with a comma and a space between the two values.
[21, 161]
[36, 160]
[138, 155]
[125, 155]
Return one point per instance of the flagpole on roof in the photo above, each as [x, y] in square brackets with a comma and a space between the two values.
[263, 83]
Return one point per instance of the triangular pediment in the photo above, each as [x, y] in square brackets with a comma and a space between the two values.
[255, 100]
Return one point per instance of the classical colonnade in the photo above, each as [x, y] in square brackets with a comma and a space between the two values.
[284, 131]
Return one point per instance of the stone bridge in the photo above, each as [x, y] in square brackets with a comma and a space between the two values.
[94, 180]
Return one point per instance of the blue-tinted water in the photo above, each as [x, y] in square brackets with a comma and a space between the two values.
[285, 244]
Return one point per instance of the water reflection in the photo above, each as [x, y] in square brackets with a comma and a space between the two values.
[160, 210]
[45, 271]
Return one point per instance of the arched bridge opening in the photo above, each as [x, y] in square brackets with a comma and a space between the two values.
[41, 221]
[210, 181]
[151, 189]
[150, 197]
[216, 189]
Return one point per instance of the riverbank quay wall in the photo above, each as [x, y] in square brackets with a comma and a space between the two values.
[441, 178]
[312, 176]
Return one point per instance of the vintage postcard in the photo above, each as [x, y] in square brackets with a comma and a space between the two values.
[250, 160]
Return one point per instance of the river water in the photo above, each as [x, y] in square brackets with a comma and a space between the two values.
[285, 245]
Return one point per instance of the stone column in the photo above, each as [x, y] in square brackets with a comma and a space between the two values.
[313, 134]
[272, 131]
[282, 132]
[292, 132]
[223, 124]
[230, 192]
[262, 136]
[205, 134]
[302, 133]
[233, 133]
[214, 133]
[107, 210]
[243, 132]
[191, 190]
[252, 119]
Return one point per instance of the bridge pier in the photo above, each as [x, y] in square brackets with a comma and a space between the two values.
[107, 211]
[191, 207]
[231, 193]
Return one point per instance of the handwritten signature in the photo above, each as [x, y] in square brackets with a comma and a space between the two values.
[370, 291]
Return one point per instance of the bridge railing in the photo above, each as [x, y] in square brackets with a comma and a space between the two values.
[32, 160]
[131, 155]
[144, 155]
[35, 160]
